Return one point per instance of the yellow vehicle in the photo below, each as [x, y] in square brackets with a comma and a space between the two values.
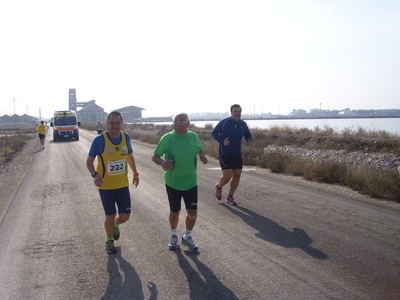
[65, 125]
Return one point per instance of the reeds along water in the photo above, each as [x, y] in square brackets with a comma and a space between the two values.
[390, 125]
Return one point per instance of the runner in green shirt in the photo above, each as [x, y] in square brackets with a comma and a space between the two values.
[176, 153]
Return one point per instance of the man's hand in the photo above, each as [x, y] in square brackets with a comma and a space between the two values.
[98, 181]
[135, 181]
[167, 164]
[226, 141]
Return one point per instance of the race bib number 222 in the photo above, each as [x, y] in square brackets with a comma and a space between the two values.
[116, 167]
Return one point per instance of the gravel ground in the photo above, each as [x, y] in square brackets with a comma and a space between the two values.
[355, 159]
[12, 174]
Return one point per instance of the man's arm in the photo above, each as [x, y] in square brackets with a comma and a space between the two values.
[248, 137]
[216, 133]
[165, 164]
[203, 157]
[98, 181]
[131, 162]
[90, 164]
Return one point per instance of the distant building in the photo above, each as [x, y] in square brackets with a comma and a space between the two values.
[6, 119]
[130, 113]
[18, 119]
[28, 119]
[92, 113]
[72, 104]
[347, 113]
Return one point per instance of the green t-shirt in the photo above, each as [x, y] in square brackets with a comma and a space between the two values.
[183, 151]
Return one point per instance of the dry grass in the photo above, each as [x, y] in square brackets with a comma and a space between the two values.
[17, 128]
[13, 137]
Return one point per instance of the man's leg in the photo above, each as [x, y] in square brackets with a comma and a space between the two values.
[187, 237]
[107, 198]
[123, 201]
[191, 219]
[109, 225]
[236, 173]
[226, 176]
[122, 218]
[173, 219]
[190, 197]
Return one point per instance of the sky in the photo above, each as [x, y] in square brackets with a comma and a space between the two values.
[167, 57]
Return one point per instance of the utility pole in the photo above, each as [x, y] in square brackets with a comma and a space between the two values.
[13, 99]
[15, 120]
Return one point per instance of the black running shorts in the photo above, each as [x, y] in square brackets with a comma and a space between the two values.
[175, 196]
[233, 161]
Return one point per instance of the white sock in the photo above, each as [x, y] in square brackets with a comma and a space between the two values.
[187, 234]
[174, 231]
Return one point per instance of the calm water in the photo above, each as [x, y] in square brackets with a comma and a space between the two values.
[391, 125]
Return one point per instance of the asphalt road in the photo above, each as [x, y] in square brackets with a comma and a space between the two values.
[287, 239]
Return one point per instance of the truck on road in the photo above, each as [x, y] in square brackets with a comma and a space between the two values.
[65, 125]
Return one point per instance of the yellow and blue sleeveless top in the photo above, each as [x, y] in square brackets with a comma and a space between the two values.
[112, 165]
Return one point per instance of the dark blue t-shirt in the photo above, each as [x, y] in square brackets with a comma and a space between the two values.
[235, 131]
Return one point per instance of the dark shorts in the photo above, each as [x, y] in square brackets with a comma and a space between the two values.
[175, 196]
[41, 136]
[233, 161]
[121, 197]
[99, 131]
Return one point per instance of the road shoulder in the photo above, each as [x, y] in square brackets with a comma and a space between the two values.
[334, 189]
[12, 174]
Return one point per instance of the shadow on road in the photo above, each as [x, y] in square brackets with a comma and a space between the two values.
[209, 287]
[64, 141]
[272, 232]
[125, 284]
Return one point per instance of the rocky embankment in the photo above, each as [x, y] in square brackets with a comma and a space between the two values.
[355, 159]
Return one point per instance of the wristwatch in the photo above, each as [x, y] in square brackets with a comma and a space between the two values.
[94, 173]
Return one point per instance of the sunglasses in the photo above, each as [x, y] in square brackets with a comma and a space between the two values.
[181, 122]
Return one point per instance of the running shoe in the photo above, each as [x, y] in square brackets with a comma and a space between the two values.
[110, 247]
[189, 242]
[218, 192]
[173, 243]
[116, 232]
[230, 200]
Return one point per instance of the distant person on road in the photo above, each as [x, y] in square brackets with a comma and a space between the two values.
[99, 128]
[42, 129]
[179, 149]
[229, 133]
[113, 150]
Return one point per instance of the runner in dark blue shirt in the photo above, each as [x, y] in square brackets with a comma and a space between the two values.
[229, 133]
